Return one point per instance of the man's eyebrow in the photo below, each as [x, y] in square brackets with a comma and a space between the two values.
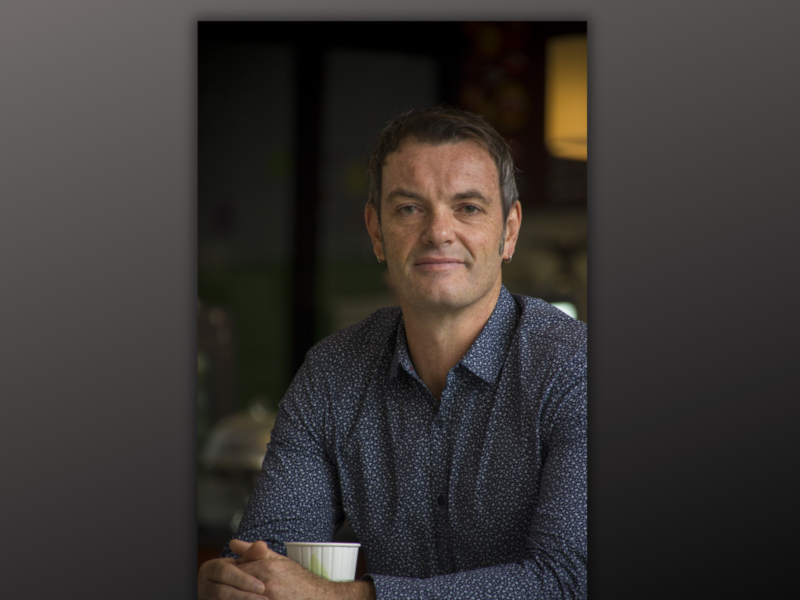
[402, 193]
[472, 195]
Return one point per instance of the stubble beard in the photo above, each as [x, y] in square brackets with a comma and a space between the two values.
[446, 302]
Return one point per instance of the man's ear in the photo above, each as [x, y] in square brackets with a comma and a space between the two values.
[513, 223]
[374, 230]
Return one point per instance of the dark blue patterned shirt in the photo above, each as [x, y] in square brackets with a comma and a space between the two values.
[480, 496]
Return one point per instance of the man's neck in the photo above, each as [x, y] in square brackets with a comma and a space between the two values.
[438, 340]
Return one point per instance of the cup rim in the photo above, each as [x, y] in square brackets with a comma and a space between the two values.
[336, 544]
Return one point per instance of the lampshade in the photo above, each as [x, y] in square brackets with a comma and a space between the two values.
[565, 97]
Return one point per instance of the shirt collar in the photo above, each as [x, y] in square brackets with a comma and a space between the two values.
[401, 359]
[484, 357]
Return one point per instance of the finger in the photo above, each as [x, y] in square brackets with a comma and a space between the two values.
[225, 571]
[256, 551]
[263, 570]
[240, 546]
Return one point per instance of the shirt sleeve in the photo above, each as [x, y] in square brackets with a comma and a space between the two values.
[296, 495]
[554, 564]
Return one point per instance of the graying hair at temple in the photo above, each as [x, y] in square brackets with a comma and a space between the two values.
[443, 125]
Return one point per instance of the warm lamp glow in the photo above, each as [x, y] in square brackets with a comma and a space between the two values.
[565, 97]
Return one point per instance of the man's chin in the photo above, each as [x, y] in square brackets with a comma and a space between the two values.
[445, 294]
[440, 298]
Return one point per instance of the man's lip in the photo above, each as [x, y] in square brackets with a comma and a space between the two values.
[437, 261]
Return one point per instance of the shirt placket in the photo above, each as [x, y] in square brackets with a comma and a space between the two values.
[440, 480]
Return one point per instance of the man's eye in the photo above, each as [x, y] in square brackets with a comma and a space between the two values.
[407, 210]
[471, 209]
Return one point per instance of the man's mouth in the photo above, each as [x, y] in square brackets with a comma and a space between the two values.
[437, 263]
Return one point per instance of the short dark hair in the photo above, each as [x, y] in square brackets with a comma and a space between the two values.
[442, 125]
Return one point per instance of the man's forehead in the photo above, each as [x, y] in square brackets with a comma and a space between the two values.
[413, 155]
[411, 144]
[461, 169]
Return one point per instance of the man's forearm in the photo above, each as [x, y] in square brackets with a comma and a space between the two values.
[539, 579]
[355, 590]
[284, 579]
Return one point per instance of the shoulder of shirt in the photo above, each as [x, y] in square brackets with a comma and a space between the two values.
[543, 323]
[553, 345]
[368, 338]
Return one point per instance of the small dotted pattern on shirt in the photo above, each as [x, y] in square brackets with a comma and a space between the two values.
[481, 495]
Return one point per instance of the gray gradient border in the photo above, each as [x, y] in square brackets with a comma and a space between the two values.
[692, 208]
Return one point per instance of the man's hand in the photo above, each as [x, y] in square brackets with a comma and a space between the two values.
[284, 579]
[262, 571]
[222, 579]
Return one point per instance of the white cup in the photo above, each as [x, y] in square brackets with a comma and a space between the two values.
[336, 562]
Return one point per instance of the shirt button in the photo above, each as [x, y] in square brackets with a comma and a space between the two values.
[441, 500]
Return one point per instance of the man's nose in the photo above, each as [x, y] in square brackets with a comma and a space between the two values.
[439, 228]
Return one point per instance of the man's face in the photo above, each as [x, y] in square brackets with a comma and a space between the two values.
[442, 224]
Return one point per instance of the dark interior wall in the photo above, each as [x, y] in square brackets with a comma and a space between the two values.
[245, 205]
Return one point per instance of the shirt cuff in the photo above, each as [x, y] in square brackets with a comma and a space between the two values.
[391, 587]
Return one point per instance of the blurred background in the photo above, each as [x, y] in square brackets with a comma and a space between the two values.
[287, 113]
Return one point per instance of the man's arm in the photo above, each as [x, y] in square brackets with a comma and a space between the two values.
[296, 497]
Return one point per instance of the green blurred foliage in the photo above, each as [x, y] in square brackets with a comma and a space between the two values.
[257, 298]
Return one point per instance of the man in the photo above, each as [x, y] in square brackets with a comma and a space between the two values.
[451, 431]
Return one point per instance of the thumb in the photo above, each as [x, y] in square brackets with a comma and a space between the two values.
[239, 546]
[255, 551]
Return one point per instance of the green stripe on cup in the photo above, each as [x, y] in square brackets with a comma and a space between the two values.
[317, 568]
